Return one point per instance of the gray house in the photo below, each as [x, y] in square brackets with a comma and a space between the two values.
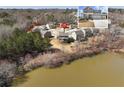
[78, 35]
[46, 34]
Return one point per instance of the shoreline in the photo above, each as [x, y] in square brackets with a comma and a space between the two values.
[58, 59]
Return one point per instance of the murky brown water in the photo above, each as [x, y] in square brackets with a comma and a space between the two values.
[101, 70]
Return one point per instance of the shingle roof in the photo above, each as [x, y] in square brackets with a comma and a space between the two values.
[79, 32]
[88, 8]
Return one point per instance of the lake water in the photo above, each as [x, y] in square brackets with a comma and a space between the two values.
[105, 69]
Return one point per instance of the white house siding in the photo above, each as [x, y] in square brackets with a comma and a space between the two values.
[74, 36]
[101, 23]
[47, 26]
[72, 30]
[54, 33]
[84, 32]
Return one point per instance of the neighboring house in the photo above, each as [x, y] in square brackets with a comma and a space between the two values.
[90, 10]
[39, 28]
[50, 25]
[78, 35]
[42, 29]
[90, 13]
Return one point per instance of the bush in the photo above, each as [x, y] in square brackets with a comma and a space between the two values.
[4, 14]
[5, 31]
[121, 24]
[7, 72]
[22, 42]
[9, 22]
[29, 17]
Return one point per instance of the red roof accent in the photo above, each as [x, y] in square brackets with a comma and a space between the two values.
[64, 25]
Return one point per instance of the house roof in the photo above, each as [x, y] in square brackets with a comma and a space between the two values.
[47, 34]
[79, 32]
[88, 8]
[64, 25]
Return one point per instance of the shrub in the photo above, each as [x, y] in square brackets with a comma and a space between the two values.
[121, 24]
[7, 72]
[4, 14]
[29, 17]
[9, 22]
[21, 42]
[5, 31]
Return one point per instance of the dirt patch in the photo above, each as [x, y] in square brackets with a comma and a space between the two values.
[64, 47]
[86, 24]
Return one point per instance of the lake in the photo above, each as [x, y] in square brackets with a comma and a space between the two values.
[105, 69]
